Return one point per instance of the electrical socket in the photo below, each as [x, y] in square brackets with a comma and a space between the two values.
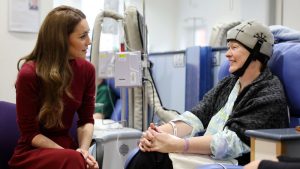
[179, 60]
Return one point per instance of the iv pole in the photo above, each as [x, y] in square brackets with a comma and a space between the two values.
[145, 67]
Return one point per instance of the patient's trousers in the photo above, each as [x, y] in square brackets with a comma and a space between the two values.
[150, 160]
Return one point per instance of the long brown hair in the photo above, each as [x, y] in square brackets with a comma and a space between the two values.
[52, 62]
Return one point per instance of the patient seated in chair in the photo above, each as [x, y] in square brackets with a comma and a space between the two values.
[250, 98]
[105, 100]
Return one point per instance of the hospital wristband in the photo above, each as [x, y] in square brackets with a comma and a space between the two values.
[174, 128]
[186, 145]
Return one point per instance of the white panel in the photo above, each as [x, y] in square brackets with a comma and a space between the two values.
[128, 69]
[265, 149]
[170, 82]
[260, 10]
[291, 13]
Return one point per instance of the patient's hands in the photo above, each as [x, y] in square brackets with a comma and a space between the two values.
[148, 137]
[156, 140]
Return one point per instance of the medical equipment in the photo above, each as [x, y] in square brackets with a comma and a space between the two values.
[95, 50]
[135, 40]
[106, 64]
[115, 143]
[112, 141]
[128, 69]
[142, 97]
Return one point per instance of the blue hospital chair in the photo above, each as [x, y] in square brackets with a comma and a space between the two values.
[285, 63]
[116, 114]
[9, 131]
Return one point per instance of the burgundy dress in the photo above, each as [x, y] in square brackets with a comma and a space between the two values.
[28, 104]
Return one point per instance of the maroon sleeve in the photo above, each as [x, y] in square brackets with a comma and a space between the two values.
[86, 110]
[27, 102]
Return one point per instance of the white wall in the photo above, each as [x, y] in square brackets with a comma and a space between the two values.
[291, 14]
[211, 13]
[260, 10]
[161, 20]
[171, 22]
[13, 46]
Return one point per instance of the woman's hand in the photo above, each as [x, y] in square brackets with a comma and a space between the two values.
[147, 138]
[90, 160]
[166, 143]
[156, 140]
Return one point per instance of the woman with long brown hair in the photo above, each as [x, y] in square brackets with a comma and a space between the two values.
[54, 82]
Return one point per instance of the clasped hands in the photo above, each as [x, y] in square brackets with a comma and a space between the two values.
[154, 139]
[90, 160]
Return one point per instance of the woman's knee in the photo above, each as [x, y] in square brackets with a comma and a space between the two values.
[72, 156]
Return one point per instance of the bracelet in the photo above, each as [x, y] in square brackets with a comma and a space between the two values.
[174, 128]
[186, 145]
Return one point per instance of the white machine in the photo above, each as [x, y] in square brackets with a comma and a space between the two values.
[106, 63]
[113, 143]
[128, 69]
